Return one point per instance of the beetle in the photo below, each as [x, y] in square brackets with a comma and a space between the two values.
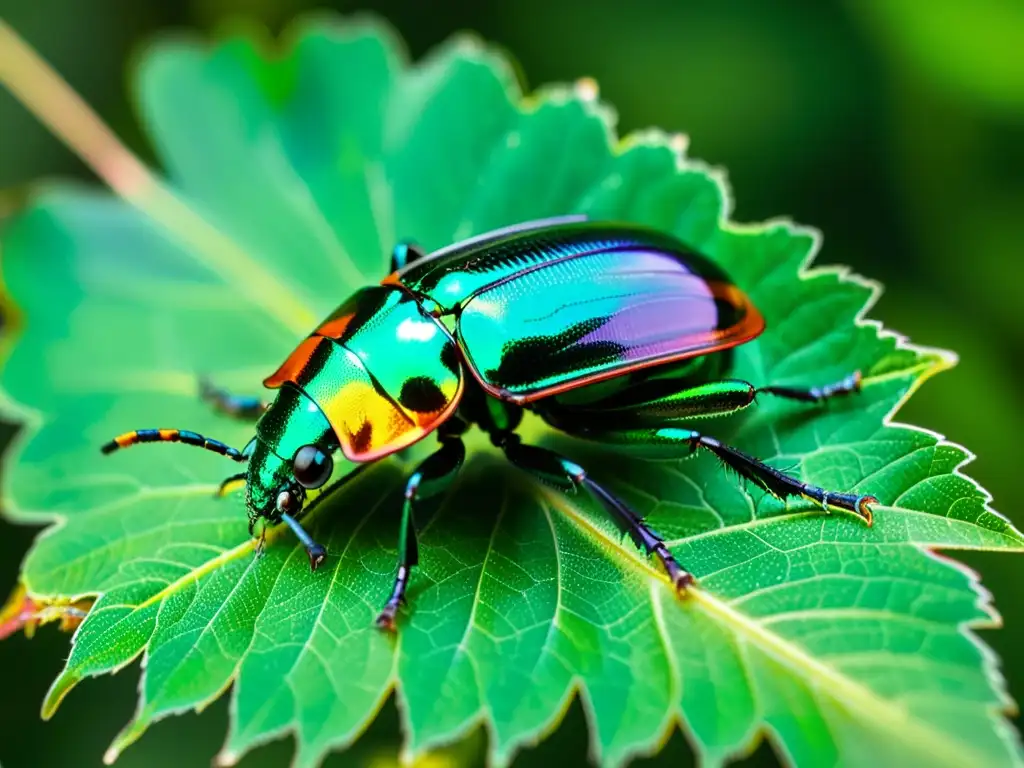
[609, 332]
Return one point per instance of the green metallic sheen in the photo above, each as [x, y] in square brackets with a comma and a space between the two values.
[293, 422]
[541, 311]
[451, 276]
[409, 354]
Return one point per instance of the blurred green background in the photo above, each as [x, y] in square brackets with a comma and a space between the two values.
[895, 126]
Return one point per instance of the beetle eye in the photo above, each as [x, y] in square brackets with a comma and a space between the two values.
[311, 466]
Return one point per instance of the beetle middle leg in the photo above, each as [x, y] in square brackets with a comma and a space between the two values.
[568, 476]
[432, 477]
[847, 386]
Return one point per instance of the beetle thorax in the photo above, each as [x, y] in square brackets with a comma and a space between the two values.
[381, 370]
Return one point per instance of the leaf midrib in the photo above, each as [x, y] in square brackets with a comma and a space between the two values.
[848, 694]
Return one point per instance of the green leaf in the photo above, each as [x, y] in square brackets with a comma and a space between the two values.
[839, 643]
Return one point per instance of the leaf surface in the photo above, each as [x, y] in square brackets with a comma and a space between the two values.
[842, 644]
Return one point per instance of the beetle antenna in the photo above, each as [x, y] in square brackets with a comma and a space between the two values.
[172, 436]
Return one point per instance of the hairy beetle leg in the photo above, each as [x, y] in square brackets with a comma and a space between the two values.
[670, 441]
[643, 536]
[567, 476]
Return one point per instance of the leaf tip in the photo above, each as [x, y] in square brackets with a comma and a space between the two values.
[125, 738]
[225, 758]
[60, 688]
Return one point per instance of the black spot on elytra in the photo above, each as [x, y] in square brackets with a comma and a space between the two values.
[450, 357]
[363, 439]
[528, 361]
[422, 395]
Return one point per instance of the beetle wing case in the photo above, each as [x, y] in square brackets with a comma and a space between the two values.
[545, 310]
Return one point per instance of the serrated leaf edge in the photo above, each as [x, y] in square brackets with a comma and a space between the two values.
[170, 211]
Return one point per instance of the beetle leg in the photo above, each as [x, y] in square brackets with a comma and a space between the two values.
[568, 476]
[635, 409]
[316, 552]
[261, 542]
[848, 386]
[666, 442]
[229, 484]
[405, 253]
[222, 401]
[432, 477]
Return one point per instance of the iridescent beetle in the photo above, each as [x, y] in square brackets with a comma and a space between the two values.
[608, 332]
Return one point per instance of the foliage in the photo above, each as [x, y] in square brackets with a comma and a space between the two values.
[842, 643]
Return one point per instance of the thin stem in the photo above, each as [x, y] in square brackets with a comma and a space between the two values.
[48, 97]
[44, 93]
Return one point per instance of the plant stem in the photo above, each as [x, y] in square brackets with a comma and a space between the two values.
[44, 93]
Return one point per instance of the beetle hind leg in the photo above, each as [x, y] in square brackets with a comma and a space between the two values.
[568, 476]
[670, 442]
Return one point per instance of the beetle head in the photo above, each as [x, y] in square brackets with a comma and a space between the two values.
[275, 484]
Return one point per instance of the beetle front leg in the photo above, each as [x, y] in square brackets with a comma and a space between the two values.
[668, 442]
[432, 477]
[316, 552]
[236, 406]
[229, 484]
[568, 476]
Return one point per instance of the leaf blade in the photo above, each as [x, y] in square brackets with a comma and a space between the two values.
[547, 586]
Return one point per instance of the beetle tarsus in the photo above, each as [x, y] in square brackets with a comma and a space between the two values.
[386, 619]
[829, 501]
[847, 386]
[317, 554]
[681, 578]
